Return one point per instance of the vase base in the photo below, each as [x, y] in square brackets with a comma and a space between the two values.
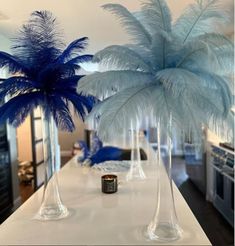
[135, 178]
[164, 232]
[135, 173]
[52, 213]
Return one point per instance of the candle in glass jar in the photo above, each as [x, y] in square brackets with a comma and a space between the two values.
[109, 183]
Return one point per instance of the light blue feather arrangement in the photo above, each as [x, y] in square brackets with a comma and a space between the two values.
[181, 70]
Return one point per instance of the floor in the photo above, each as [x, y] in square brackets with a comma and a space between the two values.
[64, 160]
[219, 232]
[26, 190]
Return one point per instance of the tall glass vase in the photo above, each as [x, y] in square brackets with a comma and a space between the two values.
[136, 171]
[52, 207]
[164, 225]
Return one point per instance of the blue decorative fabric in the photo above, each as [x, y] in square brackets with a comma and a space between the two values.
[107, 153]
[99, 154]
[85, 151]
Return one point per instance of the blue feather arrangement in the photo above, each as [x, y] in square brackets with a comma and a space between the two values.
[44, 74]
[180, 71]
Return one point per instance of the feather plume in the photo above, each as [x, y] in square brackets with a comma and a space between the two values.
[98, 84]
[59, 109]
[198, 19]
[147, 55]
[187, 77]
[38, 42]
[117, 55]
[13, 64]
[114, 118]
[73, 48]
[135, 28]
[222, 52]
[157, 16]
[16, 85]
[80, 59]
[48, 74]
[16, 114]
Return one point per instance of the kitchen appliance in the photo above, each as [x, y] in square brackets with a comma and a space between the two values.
[6, 198]
[196, 165]
[223, 183]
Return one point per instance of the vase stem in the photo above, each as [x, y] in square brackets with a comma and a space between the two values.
[136, 171]
[52, 207]
[164, 225]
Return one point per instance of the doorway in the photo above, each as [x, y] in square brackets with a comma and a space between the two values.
[30, 154]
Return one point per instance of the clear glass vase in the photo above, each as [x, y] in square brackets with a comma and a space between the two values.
[52, 207]
[164, 225]
[136, 171]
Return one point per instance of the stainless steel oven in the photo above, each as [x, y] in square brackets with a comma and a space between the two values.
[223, 173]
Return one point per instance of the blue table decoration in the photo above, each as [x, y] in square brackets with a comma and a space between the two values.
[44, 74]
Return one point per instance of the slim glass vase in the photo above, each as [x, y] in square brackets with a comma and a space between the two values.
[136, 171]
[52, 207]
[164, 225]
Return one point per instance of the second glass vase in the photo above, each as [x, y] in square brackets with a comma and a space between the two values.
[136, 171]
[164, 226]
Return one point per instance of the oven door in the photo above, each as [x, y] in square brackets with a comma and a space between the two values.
[224, 195]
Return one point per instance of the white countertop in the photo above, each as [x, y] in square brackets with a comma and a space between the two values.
[97, 218]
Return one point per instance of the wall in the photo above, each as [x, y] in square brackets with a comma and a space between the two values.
[24, 141]
[67, 139]
[213, 138]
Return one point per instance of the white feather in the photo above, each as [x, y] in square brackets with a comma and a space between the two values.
[138, 32]
[117, 56]
[182, 75]
[103, 84]
[198, 19]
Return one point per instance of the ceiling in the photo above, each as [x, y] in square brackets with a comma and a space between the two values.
[79, 18]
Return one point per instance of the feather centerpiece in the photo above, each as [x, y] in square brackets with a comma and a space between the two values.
[177, 74]
[179, 69]
[44, 74]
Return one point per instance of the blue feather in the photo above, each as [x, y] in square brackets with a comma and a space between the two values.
[106, 153]
[69, 83]
[17, 108]
[17, 85]
[48, 74]
[82, 104]
[12, 63]
[60, 111]
[38, 42]
[73, 48]
[80, 59]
